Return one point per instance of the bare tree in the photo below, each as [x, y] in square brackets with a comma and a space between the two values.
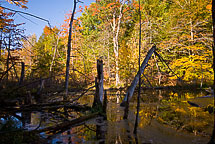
[116, 28]
[69, 50]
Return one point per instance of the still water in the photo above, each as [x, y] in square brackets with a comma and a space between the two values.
[165, 117]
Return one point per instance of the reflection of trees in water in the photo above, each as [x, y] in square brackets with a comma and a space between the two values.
[116, 130]
[101, 129]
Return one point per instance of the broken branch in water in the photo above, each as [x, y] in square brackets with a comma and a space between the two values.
[66, 125]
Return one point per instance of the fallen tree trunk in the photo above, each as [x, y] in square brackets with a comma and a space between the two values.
[41, 107]
[131, 89]
[67, 125]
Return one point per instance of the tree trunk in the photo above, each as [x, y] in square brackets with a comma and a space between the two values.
[68, 51]
[53, 58]
[136, 79]
[22, 73]
[98, 100]
[116, 29]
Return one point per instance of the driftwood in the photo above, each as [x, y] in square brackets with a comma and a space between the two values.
[136, 79]
[66, 125]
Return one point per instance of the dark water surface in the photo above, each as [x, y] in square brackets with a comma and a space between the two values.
[165, 117]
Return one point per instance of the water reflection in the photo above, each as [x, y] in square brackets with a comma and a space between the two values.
[165, 116]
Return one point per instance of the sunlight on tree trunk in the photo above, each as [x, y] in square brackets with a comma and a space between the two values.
[116, 29]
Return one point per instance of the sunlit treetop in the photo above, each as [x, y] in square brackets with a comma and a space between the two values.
[48, 31]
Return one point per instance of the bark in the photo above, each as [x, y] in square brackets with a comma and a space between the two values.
[101, 79]
[116, 29]
[69, 50]
[136, 79]
[98, 100]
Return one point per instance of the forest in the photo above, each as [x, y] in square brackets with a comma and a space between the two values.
[78, 82]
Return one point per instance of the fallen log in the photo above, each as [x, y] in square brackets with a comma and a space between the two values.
[66, 125]
[131, 89]
[41, 107]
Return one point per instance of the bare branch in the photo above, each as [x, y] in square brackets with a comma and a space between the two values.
[27, 14]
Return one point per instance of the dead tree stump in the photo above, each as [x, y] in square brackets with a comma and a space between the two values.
[98, 99]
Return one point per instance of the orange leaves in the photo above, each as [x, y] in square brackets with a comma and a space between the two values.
[94, 8]
[24, 7]
[47, 30]
[113, 5]
[110, 5]
[20, 3]
[209, 7]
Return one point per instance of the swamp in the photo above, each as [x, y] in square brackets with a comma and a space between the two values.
[107, 71]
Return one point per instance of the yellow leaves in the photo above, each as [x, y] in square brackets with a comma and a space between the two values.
[193, 47]
[189, 96]
[196, 65]
[180, 110]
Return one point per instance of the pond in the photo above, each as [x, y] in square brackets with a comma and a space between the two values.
[165, 117]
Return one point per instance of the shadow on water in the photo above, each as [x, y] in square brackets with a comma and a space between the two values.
[165, 117]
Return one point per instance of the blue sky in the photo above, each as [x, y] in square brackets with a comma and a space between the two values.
[52, 10]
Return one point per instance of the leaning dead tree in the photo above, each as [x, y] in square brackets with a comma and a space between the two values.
[131, 89]
[69, 50]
